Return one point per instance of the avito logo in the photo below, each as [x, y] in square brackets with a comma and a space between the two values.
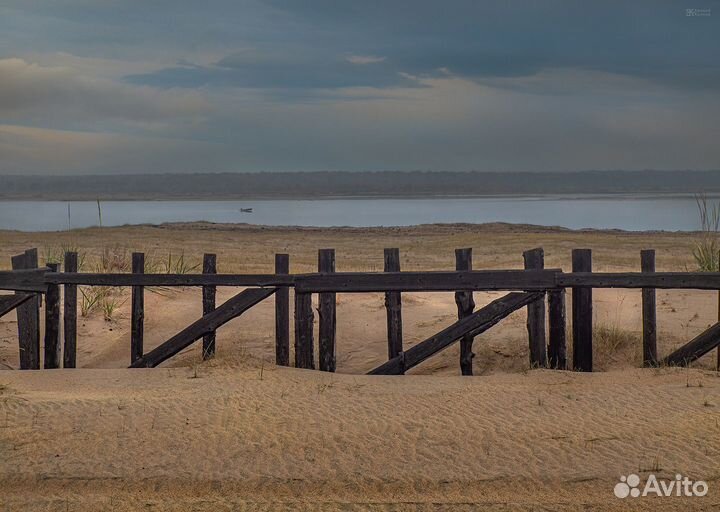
[682, 486]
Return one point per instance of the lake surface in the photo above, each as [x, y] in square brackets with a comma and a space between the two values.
[667, 213]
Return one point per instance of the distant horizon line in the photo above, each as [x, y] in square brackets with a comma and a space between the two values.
[215, 173]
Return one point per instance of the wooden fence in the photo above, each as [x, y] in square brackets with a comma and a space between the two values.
[541, 291]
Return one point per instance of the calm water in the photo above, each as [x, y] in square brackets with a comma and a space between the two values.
[630, 213]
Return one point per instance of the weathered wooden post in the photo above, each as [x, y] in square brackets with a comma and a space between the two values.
[34, 262]
[535, 260]
[304, 318]
[208, 294]
[465, 305]
[137, 323]
[557, 351]
[282, 313]
[649, 322]
[582, 314]
[28, 317]
[23, 319]
[70, 314]
[393, 305]
[326, 312]
[52, 323]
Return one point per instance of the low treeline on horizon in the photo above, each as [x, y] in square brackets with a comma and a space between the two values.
[290, 185]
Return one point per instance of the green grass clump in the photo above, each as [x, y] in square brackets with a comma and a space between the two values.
[706, 248]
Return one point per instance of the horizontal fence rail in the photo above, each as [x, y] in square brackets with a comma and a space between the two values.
[37, 280]
[24, 280]
[347, 282]
[361, 282]
[87, 279]
[661, 280]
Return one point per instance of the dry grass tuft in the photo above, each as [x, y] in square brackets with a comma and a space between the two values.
[611, 345]
[115, 259]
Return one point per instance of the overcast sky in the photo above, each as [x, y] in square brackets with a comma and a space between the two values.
[116, 86]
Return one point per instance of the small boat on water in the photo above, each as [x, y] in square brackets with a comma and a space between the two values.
[246, 210]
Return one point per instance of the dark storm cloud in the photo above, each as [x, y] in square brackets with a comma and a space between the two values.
[651, 40]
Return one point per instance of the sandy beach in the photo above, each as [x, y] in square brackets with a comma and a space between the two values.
[238, 433]
[249, 437]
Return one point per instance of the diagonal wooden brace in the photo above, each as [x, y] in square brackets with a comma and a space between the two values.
[233, 308]
[472, 325]
[694, 349]
[10, 302]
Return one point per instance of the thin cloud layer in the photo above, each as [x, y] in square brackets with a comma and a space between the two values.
[292, 69]
[30, 89]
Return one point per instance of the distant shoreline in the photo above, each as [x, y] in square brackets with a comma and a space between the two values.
[360, 185]
[540, 197]
[421, 228]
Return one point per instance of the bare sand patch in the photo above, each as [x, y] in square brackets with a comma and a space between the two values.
[244, 437]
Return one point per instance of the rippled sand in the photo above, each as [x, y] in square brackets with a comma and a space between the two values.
[254, 436]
